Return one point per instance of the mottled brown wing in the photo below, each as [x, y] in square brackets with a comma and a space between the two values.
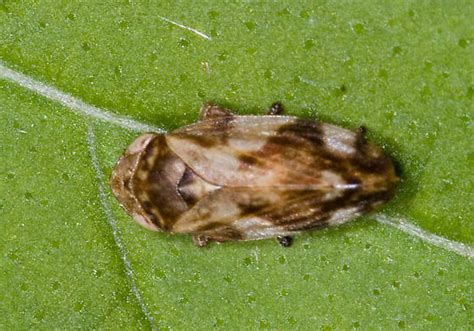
[263, 151]
[253, 213]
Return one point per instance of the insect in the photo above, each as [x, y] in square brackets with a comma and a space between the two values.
[229, 177]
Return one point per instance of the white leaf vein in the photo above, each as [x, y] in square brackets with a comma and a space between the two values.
[199, 33]
[72, 103]
[409, 228]
[110, 219]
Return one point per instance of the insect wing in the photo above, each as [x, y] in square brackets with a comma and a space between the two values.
[257, 151]
[255, 213]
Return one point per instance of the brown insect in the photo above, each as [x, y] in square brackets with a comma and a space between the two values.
[229, 177]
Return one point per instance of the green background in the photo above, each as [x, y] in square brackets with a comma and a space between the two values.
[402, 69]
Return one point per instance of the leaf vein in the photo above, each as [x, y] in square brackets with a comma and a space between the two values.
[431, 238]
[72, 103]
[110, 219]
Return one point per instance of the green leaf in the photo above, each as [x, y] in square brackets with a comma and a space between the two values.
[403, 70]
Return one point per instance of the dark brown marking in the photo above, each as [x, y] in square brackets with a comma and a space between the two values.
[188, 197]
[251, 209]
[160, 184]
[362, 159]
[126, 183]
[203, 141]
[280, 141]
[192, 187]
[187, 178]
[254, 207]
[369, 202]
[366, 162]
[249, 160]
[205, 227]
[378, 165]
[304, 129]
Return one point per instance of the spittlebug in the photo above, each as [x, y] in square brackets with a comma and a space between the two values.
[229, 177]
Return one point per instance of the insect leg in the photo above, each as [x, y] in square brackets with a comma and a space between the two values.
[201, 240]
[275, 109]
[285, 241]
[361, 130]
[209, 110]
